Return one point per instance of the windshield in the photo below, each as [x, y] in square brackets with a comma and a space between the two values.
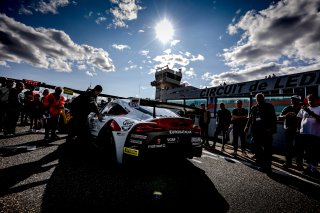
[160, 112]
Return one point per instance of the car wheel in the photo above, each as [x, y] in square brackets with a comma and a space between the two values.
[107, 144]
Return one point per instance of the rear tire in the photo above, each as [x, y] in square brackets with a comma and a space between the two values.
[107, 144]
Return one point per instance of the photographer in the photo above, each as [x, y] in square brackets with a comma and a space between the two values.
[309, 122]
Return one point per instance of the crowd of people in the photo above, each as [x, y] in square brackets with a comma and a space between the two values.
[301, 122]
[301, 127]
[43, 109]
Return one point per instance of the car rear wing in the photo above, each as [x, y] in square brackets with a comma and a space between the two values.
[185, 108]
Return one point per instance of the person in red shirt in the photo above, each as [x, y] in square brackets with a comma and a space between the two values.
[54, 102]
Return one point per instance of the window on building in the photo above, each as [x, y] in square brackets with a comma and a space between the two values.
[230, 103]
[279, 102]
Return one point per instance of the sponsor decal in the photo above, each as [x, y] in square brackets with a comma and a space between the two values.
[120, 134]
[158, 141]
[156, 146]
[139, 136]
[135, 141]
[135, 102]
[171, 140]
[127, 124]
[130, 151]
[195, 140]
[180, 132]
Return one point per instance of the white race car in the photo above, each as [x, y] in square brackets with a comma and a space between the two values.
[134, 129]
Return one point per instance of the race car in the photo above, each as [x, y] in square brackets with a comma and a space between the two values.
[136, 129]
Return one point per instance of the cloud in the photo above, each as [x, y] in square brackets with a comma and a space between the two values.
[144, 52]
[190, 73]
[141, 31]
[253, 73]
[277, 39]
[47, 48]
[167, 51]
[186, 83]
[177, 61]
[25, 11]
[197, 58]
[101, 19]
[120, 46]
[174, 42]
[171, 60]
[124, 10]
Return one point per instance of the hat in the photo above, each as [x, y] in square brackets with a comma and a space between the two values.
[296, 97]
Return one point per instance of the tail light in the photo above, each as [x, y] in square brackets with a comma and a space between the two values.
[147, 127]
[163, 124]
[196, 128]
[115, 126]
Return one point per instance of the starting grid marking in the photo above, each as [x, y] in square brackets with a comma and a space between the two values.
[216, 157]
[213, 156]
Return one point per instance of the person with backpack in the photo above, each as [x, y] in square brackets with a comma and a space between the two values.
[80, 108]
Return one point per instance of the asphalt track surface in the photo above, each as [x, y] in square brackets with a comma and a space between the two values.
[59, 176]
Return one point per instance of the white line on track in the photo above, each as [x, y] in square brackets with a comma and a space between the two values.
[197, 161]
[277, 170]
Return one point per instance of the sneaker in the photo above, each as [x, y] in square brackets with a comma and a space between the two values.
[234, 152]
[244, 153]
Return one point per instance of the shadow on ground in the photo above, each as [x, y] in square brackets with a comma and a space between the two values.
[83, 182]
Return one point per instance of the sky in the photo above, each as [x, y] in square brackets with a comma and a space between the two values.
[120, 44]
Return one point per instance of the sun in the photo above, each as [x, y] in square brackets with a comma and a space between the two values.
[164, 31]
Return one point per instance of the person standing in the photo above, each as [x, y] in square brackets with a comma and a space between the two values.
[239, 121]
[36, 113]
[263, 123]
[223, 122]
[6, 85]
[14, 106]
[80, 108]
[54, 102]
[309, 123]
[26, 113]
[204, 121]
[289, 115]
[45, 110]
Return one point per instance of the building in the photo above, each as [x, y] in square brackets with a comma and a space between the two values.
[277, 90]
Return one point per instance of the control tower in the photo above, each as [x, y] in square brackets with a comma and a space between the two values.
[166, 79]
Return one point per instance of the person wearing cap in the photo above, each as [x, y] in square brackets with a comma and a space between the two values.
[289, 116]
[80, 108]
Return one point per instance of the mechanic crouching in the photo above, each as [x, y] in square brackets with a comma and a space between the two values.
[80, 108]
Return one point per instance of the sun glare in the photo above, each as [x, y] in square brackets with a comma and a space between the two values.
[164, 31]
